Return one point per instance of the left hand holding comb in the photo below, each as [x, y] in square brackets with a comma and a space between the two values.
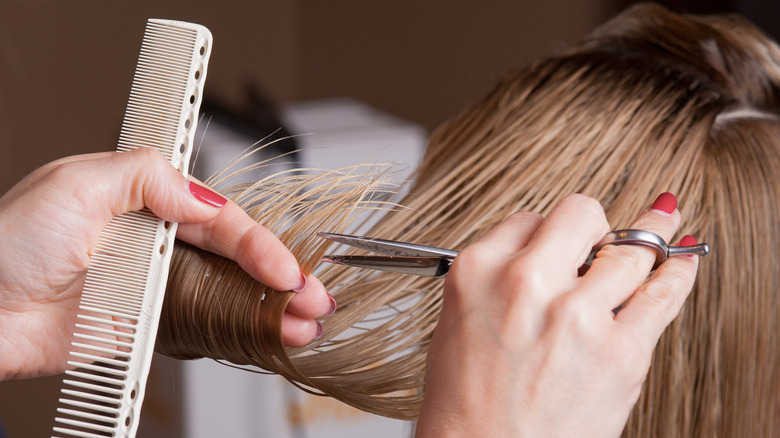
[50, 222]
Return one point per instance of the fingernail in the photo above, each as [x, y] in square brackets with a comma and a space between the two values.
[333, 305]
[303, 283]
[319, 330]
[688, 240]
[666, 202]
[206, 195]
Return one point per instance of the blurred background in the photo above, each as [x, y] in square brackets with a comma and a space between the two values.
[397, 68]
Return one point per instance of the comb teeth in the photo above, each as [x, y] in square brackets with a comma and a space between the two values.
[159, 89]
[125, 283]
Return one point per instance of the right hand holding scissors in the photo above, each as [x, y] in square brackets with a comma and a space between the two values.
[527, 347]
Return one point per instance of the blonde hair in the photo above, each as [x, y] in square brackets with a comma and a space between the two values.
[650, 102]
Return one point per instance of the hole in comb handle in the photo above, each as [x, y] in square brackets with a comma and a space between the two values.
[134, 392]
[183, 143]
[188, 122]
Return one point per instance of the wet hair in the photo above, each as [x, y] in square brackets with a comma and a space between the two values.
[650, 102]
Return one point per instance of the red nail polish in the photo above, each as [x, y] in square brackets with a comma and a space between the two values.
[333, 305]
[665, 202]
[206, 195]
[688, 240]
[303, 283]
[319, 330]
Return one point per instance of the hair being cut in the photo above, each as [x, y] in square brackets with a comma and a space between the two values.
[650, 102]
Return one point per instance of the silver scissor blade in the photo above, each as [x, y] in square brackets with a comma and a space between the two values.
[390, 247]
[423, 266]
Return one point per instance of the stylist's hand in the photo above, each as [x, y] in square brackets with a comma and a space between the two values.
[50, 222]
[525, 347]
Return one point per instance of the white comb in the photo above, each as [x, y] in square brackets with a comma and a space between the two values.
[123, 292]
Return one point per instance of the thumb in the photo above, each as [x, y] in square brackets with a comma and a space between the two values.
[145, 178]
[209, 220]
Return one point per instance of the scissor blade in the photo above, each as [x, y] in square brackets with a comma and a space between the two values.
[423, 266]
[390, 247]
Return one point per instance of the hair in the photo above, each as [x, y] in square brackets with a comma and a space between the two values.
[650, 102]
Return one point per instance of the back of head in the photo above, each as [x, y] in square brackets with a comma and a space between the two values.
[650, 102]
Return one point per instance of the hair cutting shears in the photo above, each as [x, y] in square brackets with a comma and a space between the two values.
[430, 261]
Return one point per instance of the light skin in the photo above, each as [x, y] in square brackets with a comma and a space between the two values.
[50, 223]
[524, 347]
[528, 344]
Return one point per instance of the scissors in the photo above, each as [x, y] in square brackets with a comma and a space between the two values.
[430, 261]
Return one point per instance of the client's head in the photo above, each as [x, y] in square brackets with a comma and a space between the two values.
[650, 102]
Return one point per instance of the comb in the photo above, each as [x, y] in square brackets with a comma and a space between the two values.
[123, 292]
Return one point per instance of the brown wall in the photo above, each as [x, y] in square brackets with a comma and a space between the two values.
[66, 67]
[426, 60]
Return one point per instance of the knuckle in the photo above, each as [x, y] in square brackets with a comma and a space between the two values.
[669, 289]
[593, 209]
[472, 255]
[58, 171]
[587, 208]
[467, 265]
[150, 169]
[518, 283]
[525, 217]
[663, 296]
[589, 204]
[525, 273]
[65, 174]
[147, 154]
[146, 163]
[681, 274]
[627, 257]
[51, 167]
[568, 307]
[571, 311]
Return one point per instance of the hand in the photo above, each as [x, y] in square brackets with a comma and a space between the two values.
[526, 347]
[50, 223]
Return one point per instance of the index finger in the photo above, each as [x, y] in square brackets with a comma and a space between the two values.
[568, 233]
[233, 234]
